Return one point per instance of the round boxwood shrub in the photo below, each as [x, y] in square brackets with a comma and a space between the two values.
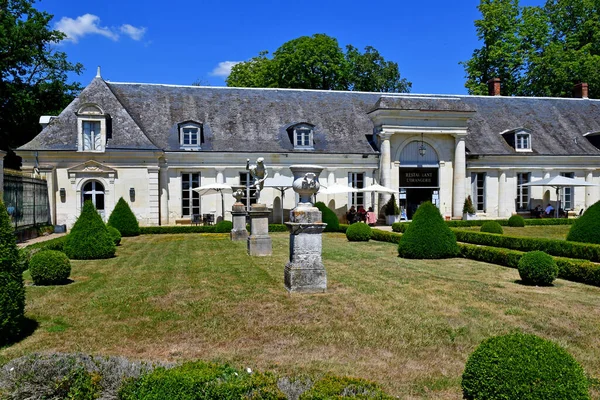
[333, 387]
[199, 380]
[224, 226]
[89, 238]
[516, 221]
[492, 227]
[586, 229]
[358, 232]
[427, 236]
[537, 268]
[124, 220]
[114, 234]
[525, 367]
[328, 216]
[49, 267]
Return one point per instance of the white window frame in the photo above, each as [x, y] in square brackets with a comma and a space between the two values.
[247, 184]
[523, 191]
[306, 136]
[568, 192]
[357, 181]
[522, 141]
[478, 192]
[198, 136]
[91, 113]
[192, 195]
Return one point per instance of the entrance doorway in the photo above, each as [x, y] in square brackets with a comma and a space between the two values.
[416, 196]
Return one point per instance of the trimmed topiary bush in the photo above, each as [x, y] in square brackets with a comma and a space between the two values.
[358, 232]
[492, 227]
[538, 268]
[12, 291]
[223, 226]
[516, 221]
[468, 206]
[199, 380]
[333, 387]
[114, 234]
[89, 238]
[586, 229]
[124, 220]
[49, 267]
[524, 367]
[391, 207]
[328, 216]
[428, 236]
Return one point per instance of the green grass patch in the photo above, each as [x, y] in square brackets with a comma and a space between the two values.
[408, 325]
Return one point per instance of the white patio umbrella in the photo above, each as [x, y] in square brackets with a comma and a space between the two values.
[378, 188]
[215, 188]
[336, 189]
[559, 182]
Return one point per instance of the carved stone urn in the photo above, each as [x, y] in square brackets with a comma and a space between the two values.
[305, 271]
[306, 182]
[238, 213]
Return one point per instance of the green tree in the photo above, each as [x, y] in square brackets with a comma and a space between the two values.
[537, 51]
[33, 75]
[318, 62]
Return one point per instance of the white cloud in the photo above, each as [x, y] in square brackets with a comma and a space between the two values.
[87, 24]
[133, 32]
[224, 68]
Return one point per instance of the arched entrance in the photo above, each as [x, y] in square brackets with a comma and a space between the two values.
[419, 176]
[94, 191]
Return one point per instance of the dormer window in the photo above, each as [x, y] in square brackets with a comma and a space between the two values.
[91, 128]
[190, 136]
[519, 139]
[302, 135]
[522, 141]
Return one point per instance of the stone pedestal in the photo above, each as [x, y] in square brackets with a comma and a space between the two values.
[238, 213]
[259, 241]
[305, 271]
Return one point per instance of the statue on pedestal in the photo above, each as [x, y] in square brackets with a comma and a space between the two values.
[259, 173]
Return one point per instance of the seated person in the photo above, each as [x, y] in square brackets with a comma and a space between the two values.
[371, 217]
[361, 214]
[537, 211]
[351, 215]
[549, 210]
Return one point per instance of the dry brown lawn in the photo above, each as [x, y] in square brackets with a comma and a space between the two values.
[407, 324]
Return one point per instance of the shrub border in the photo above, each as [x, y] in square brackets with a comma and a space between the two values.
[560, 248]
[574, 270]
[401, 226]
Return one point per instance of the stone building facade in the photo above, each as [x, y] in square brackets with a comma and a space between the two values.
[151, 144]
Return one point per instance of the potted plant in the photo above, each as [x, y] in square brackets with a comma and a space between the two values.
[391, 211]
[469, 210]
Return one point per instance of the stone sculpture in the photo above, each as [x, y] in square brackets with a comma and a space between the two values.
[259, 172]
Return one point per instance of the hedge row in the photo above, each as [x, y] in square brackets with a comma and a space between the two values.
[401, 226]
[582, 271]
[385, 236]
[158, 230]
[561, 248]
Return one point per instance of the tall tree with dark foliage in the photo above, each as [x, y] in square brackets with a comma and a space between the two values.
[33, 75]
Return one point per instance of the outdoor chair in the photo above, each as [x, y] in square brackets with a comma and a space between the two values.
[196, 219]
[209, 219]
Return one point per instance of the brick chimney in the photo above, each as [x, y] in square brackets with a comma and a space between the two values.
[580, 91]
[494, 87]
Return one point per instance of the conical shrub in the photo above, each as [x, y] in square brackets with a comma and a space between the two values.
[428, 236]
[124, 220]
[12, 291]
[586, 229]
[328, 216]
[89, 238]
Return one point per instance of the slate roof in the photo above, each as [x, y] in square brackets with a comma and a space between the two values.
[146, 116]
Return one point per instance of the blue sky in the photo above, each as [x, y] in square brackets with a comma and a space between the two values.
[179, 42]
